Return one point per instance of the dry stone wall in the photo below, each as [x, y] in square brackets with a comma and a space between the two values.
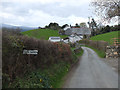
[112, 51]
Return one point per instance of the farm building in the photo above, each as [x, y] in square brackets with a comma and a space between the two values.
[79, 31]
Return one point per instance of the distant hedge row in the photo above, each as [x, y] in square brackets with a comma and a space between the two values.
[100, 45]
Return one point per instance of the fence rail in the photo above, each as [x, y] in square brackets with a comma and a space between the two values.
[116, 41]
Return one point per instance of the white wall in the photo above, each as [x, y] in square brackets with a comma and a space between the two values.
[74, 39]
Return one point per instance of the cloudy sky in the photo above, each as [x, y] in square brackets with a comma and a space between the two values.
[42, 12]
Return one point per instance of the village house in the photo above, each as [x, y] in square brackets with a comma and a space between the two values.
[73, 38]
[76, 34]
[78, 31]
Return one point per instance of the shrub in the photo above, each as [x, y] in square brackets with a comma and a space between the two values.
[100, 45]
[16, 64]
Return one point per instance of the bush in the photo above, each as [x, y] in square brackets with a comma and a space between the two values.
[100, 45]
[72, 45]
[16, 64]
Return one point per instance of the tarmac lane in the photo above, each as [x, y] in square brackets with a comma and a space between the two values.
[91, 72]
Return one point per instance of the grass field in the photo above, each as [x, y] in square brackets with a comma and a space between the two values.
[106, 37]
[42, 33]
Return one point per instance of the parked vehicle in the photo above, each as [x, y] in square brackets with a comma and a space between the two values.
[55, 39]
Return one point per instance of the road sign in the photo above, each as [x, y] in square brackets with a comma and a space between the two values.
[30, 51]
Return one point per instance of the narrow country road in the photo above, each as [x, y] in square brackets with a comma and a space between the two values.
[91, 72]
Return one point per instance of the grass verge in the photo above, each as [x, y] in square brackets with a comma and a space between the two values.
[47, 78]
[77, 55]
[80, 54]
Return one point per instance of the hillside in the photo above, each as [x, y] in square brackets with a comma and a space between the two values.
[106, 37]
[42, 33]
[22, 28]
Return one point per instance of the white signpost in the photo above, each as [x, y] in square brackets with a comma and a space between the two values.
[30, 51]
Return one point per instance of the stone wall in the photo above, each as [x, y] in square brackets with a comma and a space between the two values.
[112, 51]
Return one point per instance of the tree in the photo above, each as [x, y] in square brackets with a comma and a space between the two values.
[107, 9]
[54, 26]
[115, 28]
[76, 25]
[39, 27]
[93, 26]
[83, 24]
[64, 26]
[107, 29]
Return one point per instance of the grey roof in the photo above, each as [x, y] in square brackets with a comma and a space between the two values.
[82, 31]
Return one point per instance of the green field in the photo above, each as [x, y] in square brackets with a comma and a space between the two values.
[106, 37]
[42, 33]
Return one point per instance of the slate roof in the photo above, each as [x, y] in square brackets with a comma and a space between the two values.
[80, 31]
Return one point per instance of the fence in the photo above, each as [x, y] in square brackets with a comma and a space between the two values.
[115, 41]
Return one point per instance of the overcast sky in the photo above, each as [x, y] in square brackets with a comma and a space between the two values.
[42, 12]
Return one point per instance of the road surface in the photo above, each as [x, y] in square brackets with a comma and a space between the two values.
[91, 72]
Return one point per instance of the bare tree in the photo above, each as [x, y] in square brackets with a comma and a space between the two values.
[93, 26]
[65, 25]
[107, 9]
